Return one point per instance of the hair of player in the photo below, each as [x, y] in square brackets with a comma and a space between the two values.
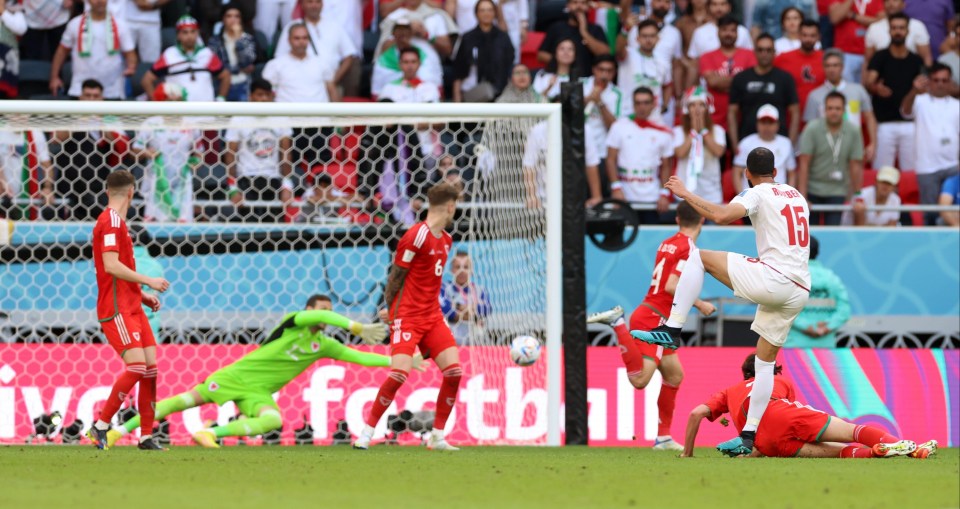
[119, 181]
[899, 15]
[808, 23]
[835, 95]
[410, 49]
[442, 194]
[814, 247]
[261, 84]
[748, 370]
[91, 83]
[642, 90]
[647, 23]
[939, 67]
[726, 20]
[765, 35]
[687, 216]
[317, 297]
[760, 162]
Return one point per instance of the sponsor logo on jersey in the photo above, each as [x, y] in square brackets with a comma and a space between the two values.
[110, 239]
[315, 346]
[213, 386]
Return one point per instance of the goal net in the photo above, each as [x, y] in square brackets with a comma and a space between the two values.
[250, 213]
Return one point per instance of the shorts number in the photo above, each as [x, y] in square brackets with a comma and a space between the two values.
[798, 229]
[438, 268]
[657, 276]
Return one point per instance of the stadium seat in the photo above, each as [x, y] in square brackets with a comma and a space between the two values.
[34, 78]
[263, 44]
[549, 11]
[168, 37]
[528, 52]
[869, 178]
[370, 40]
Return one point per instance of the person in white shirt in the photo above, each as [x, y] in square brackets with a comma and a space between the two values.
[430, 25]
[298, 75]
[602, 101]
[410, 89]
[272, 12]
[534, 162]
[937, 117]
[46, 21]
[386, 66]
[878, 36]
[95, 41]
[191, 65]
[668, 50]
[642, 68]
[328, 42]
[640, 158]
[884, 192]
[768, 123]
[777, 280]
[516, 13]
[348, 16]
[259, 154]
[25, 161]
[789, 40]
[698, 146]
[548, 80]
[706, 39]
[143, 21]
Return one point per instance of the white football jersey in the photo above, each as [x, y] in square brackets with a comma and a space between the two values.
[781, 221]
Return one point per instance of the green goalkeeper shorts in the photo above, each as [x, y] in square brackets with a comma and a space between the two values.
[220, 388]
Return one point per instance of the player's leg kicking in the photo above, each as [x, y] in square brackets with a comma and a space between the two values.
[779, 301]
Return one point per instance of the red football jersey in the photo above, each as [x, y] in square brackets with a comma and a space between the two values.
[671, 256]
[807, 71]
[424, 255]
[114, 295]
[716, 61]
[735, 399]
[848, 34]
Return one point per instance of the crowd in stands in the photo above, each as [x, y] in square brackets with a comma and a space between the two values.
[856, 98]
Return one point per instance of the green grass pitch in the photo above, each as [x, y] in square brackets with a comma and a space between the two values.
[482, 477]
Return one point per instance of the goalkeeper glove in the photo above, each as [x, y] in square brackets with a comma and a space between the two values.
[370, 333]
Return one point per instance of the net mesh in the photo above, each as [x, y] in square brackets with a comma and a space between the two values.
[248, 216]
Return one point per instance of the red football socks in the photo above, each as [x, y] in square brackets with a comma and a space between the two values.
[125, 382]
[146, 402]
[871, 436]
[666, 403]
[448, 395]
[628, 346]
[385, 395]
[856, 451]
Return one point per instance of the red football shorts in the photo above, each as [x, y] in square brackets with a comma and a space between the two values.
[786, 426]
[128, 330]
[644, 318]
[431, 336]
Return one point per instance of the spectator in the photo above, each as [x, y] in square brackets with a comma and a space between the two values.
[589, 39]
[668, 50]
[464, 303]
[452, 175]
[26, 172]
[85, 159]
[707, 37]
[516, 13]
[237, 50]
[889, 79]
[330, 43]
[602, 101]
[191, 65]
[694, 16]
[322, 202]
[46, 21]
[348, 16]
[386, 67]
[760, 85]
[938, 131]
[639, 158]
[804, 64]
[482, 65]
[827, 310]
[884, 192]
[273, 13]
[409, 89]
[790, 23]
[950, 195]
[698, 145]
[717, 68]
[936, 16]
[779, 18]
[143, 21]
[149, 267]
[298, 75]
[850, 20]
[950, 52]
[429, 24]
[878, 36]
[520, 89]
[259, 155]
[768, 123]
[640, 67]
[172, 157]
[12, 25]
[94, 42]
[830, 169]
[534, 160]
[858, 104]
[558, 70]
[464, 14]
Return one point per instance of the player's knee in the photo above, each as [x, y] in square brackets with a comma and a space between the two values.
[673, 377]
[639, 382]
[271, 420]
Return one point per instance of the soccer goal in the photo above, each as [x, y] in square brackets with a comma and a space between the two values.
[251, 208]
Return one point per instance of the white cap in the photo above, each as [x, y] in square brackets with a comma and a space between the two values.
[768, 111]
[402, 21]
[888, 174]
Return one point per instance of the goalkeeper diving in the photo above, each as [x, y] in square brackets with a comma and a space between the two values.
[250, 381]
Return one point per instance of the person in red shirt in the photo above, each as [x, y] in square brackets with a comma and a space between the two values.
[412, 296]
[805, 64]
[643, 359]
[120, 314]
[850, 20]
[790, 429]
[718, 67]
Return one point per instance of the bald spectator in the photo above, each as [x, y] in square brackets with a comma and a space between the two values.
[191, 65]
[589, 38]
[329, 42]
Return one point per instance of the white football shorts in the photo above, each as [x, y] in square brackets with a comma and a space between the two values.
[779, 300]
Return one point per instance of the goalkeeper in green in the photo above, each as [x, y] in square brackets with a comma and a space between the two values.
[250, 382]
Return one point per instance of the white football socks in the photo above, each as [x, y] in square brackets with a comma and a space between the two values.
[688, 289]
[102, 426]
[760, 394]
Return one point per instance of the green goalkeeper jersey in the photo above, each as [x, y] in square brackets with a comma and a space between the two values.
[291, 348]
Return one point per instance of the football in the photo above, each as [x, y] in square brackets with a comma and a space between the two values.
[525, 350]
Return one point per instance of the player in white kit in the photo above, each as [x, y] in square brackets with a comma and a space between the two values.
[778, 281]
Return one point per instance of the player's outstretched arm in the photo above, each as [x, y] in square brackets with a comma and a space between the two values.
[370, 333]
[340, 352]
[112, 265]
[720, 214]
[693, 427]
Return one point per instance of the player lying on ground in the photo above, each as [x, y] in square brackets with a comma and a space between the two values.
[643, 359]
[250, 382]
[778, 281]
[791, 429]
